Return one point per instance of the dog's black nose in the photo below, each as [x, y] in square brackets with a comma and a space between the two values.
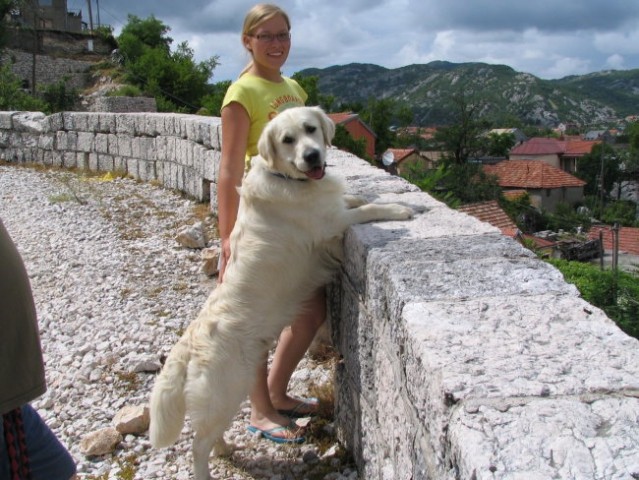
[312, 156]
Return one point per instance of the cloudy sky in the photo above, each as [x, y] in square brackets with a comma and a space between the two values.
[548, 38]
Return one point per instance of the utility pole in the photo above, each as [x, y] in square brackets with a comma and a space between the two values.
[90, 16]
[34, 7]
[601, 175]
[97, 5]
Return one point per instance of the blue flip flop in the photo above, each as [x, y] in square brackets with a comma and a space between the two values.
[305, 408]
[269, 434]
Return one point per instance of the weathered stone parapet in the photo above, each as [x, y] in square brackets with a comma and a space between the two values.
[178, 151]
[464, 356]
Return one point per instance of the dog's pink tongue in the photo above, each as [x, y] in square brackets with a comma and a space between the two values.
[316, 173]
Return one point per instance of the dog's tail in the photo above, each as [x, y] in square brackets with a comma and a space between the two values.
[167, 405]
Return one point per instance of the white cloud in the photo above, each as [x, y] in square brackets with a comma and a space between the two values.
[547, 38]
[615, 62]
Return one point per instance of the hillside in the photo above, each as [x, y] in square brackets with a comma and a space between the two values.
[588, 100]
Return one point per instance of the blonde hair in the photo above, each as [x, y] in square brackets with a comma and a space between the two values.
[258, 15]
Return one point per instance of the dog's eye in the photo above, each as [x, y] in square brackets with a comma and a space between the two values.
[288, 139]
[310, 128]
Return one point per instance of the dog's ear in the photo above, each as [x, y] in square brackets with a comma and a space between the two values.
[266, 143]
[328, 127]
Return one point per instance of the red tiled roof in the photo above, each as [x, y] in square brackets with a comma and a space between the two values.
[552, 146]
[579, 148]
[492, 213]
[340, 118]
[539, 146]
[628, 238]
[531, 174]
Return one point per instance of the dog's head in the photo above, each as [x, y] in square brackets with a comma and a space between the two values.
[294, 142]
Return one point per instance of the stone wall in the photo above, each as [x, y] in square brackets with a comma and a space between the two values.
[123, 104]
[49, 70]
[464, 356]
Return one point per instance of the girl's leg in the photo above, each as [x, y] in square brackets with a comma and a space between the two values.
[293, 344]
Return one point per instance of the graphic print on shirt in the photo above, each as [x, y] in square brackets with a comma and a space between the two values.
[283, 102]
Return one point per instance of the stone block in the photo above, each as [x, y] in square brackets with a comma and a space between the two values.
[94, 162]
[120, 164]
[86, 142]
[45, 141]
[124, 145]
[210, 162]
[101, 143]
[106, 123]
[125, 124]
[146, 170]
[55, 122]
[113, 145]
[31, 122]
[132, 167]
[540, 438]
[68, 160]
[6, 122]
[106, 162]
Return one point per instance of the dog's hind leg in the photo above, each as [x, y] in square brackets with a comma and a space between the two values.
[203, 442]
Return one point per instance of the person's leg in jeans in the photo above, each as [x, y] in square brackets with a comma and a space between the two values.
[46, 457]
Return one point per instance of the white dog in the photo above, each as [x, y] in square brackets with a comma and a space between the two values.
[286, 243]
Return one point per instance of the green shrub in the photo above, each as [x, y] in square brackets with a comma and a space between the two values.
[126, 91]
[13, 97]
[616, 293]
[59, 97]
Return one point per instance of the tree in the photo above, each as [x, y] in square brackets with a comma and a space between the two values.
[212, 101]
[138, 35]
[173, 78]
[6, 6]
[602, 159]
[344, 141]
[499, 144]
[12, 97]
[310, 84]
[378, 114]
[463, 139]
[59, 96]
[632, 163]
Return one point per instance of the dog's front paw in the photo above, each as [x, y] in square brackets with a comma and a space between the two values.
[353, 201]
[400, 212]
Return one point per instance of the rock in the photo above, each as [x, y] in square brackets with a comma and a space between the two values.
[132, 419]
[146, 364]
[210, 259]
[191, 236]
[100, 442]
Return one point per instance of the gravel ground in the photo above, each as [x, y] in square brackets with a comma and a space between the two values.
[114, 290]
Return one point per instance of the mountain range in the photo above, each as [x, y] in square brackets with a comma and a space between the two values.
[506, 96]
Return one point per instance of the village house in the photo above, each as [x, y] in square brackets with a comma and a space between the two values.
[400, 161]
[48, 15]
[562, 154]
[357, 128]
[546, 185]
